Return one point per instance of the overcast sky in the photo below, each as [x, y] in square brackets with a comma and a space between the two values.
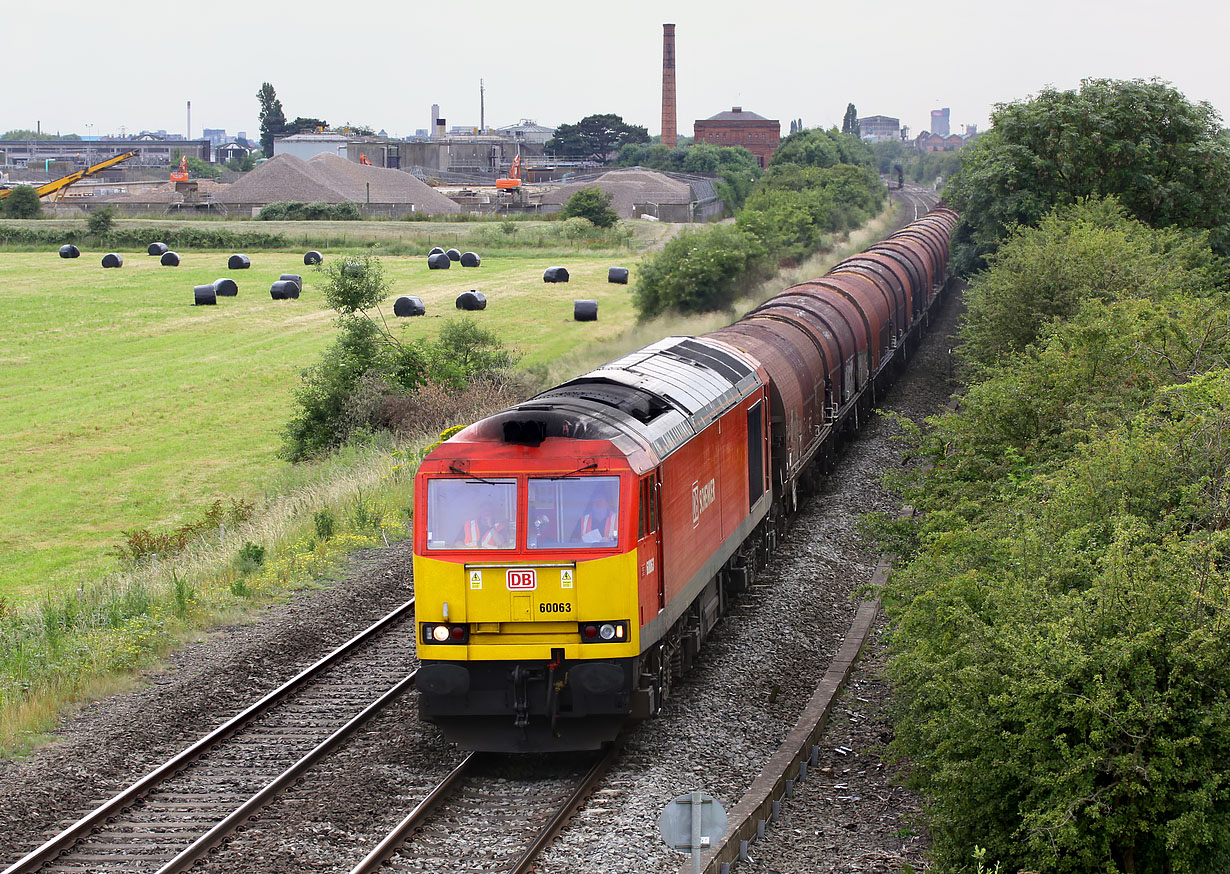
[83, 67]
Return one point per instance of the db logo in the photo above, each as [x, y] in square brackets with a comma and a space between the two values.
[703, 498]
[522, 579]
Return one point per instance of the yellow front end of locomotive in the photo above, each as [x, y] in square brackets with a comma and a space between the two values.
[522, 610]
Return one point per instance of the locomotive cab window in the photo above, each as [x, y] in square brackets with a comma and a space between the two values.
[574, 512]
[471, 514]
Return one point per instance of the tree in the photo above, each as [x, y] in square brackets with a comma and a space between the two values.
[304, 125]
[595, 136]
[591, 203]
[849, 124]
[1165, 158]
[202, 169]
[22, 203]
[100, 221]
[273, 120]
[25, 134]
[822, 148]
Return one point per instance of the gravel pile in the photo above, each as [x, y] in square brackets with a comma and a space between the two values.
[387, 186]
[285, 177]
[332, 179]
[628, 187]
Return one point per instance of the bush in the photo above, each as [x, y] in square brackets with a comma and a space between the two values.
[249, 558]
[1059, 610]
[698, 271]
[100, 221]
[22, 203]
[593, 204]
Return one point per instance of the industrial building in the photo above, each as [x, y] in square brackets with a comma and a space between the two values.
[739, 127]
[879, 128]
[154, 151]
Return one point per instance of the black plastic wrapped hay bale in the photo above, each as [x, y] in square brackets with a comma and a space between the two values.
[238, 262]
[111, 259]
[453, 255]
[157, 249]
[618, 275]
[469, 259]
[284, 290]
[471, 300]
[292, 277]
[204, 295]
[70, 251]
[585, 310]
[313, 257]
[439, 261]
[555, 274]
[169, 259]
[435, 251]
[409, 306]
[225, 287]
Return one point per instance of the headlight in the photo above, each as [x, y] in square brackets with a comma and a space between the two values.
[440, 633]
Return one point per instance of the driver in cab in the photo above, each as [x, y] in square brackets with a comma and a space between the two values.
[485, 531]
[600, 523]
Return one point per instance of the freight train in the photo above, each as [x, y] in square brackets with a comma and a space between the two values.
[572, 553]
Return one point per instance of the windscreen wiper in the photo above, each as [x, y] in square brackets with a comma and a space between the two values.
[591, 466]
[453, 468]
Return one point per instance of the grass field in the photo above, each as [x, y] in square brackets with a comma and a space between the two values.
[124, 406]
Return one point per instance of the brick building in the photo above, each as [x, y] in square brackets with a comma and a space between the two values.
[738, 127]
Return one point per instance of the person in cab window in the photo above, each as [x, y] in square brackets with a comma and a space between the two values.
[600, 522]
[485, 531]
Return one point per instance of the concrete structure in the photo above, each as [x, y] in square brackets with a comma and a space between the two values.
[155, 152]
[527, 131]
[939, 122]
[670, 125]
[226, 151]
[879, 128]
[309, 145]
[738, 127]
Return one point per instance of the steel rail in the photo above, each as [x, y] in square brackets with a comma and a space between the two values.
[392, 842]
[36, 858]
[556, 825]
[200, 848]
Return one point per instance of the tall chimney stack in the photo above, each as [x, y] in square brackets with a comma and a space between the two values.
[189, 119]
[670, 127]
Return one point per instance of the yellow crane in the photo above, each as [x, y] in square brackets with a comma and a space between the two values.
[59, 186]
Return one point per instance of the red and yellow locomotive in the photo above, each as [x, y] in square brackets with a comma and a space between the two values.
[572, 552]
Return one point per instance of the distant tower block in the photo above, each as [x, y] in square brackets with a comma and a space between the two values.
[670, 128]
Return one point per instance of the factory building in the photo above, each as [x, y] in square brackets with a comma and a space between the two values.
[738, 127]
[879, 128]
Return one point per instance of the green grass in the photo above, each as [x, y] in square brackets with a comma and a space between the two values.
[124, 406]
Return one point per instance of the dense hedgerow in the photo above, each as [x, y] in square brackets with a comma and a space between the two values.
[1060, 612]
[294, 211]
[833, 187]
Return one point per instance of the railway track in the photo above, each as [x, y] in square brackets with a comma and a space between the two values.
[490, 814]
[171, 818]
